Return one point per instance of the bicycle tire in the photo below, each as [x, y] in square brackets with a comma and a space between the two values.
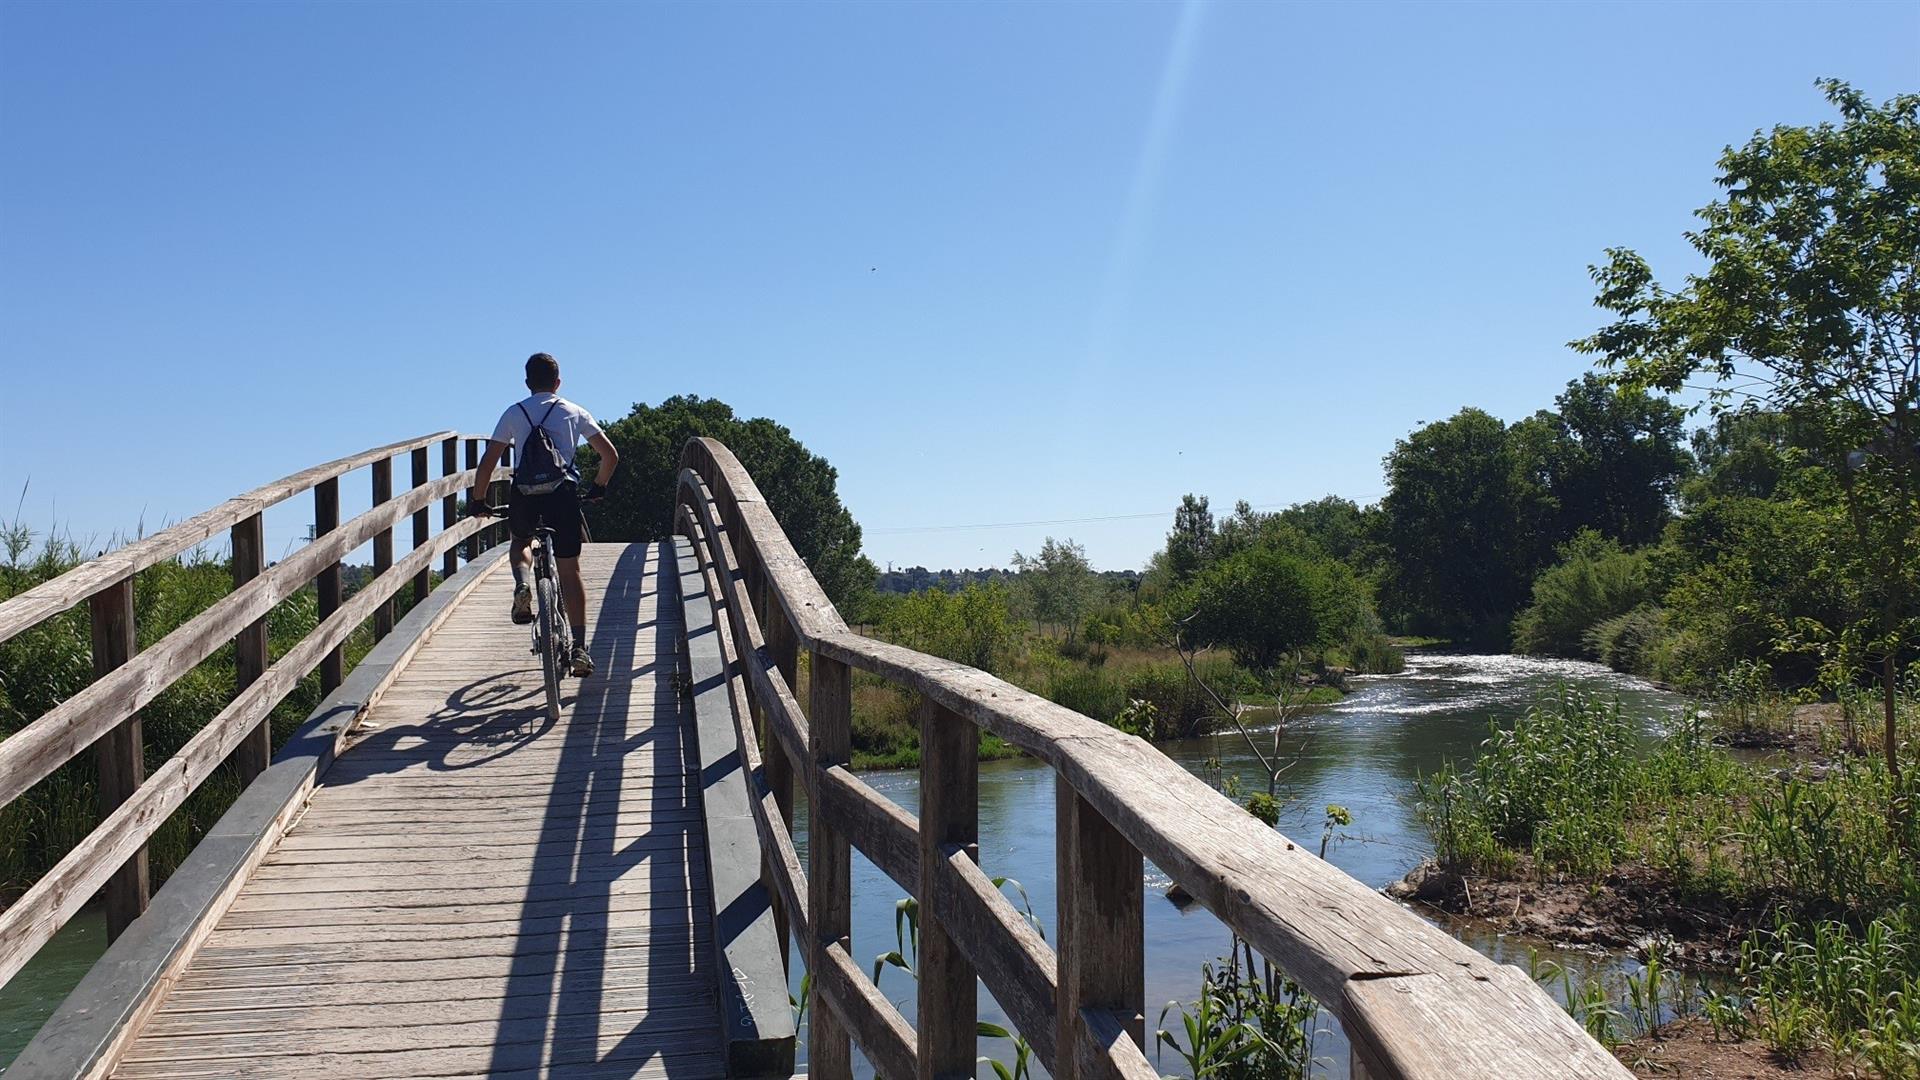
[551, 661]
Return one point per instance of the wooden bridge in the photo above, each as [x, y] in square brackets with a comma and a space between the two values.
[431, 878]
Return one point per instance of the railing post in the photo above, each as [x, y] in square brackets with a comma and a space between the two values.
[949, 816]
[422, 581]
[776, 767]
[450, 506]
[473, 462]
[383, 545]
[498, 497]
[326, 518]
[250, 647]
[121, 753]
[829, 864]
[1102, 936]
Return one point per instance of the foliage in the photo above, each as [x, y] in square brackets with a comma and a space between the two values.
[1594, 581]
[974, 626]
[800, 486]
[1263, 602]
[1811, 293]
[1826, 982]
[1058, 583]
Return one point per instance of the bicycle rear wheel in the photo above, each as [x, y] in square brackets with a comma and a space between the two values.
[552, 660]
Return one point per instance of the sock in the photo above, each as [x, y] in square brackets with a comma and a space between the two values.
[518, 580]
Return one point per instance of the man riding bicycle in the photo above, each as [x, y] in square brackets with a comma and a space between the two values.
[554, 504]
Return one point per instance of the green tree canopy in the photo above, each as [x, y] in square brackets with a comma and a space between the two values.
[800, 487]
[1059, 583]
[1265, 601]
[1810, 300]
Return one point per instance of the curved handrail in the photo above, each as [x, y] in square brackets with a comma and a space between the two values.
[50, 598]
[1414, 1000]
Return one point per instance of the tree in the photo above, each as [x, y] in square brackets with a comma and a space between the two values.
[799, 486]
[1190, 544]
[1059, 582]
[1810, 300]
[1465, 527]
[1266, 601]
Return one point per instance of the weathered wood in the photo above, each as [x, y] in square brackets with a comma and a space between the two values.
[498, 495]
[120, 754]
[450, 505]
[250, 647]
[829, 870]
[326, 518]
[121, 837]
[949, 815]
[50, 598]
[855, 1005]
[1106, 1049]
[473, 462]
[871, 822]
[1098, 881]
[28, 755]
[383, 544]
[1009, 954]
[423, 580]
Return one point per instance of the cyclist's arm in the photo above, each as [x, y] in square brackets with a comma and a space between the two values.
[484, 472]
[609, 457]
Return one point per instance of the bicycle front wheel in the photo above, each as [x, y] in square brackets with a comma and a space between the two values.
[552, 661]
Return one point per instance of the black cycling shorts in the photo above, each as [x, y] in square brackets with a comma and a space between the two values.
[558, 509]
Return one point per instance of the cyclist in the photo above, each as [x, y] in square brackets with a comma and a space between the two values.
[567, 426]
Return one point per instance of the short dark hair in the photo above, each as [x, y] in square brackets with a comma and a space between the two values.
[543, 372]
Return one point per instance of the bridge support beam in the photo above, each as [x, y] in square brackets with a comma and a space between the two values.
[383, 545]
[423, 580]
[1102, 939]
[250, 646]
[949, 817]
[829, 865]
[326, 518]
[774, 760]
[450, 506]
[121, 754]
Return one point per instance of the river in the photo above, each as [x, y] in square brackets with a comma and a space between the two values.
[1363, 753]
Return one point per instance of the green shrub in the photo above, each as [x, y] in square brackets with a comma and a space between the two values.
[1593, 582]
[1634, 642]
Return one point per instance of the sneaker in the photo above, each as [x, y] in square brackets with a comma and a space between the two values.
[522, 604]
[582, 663]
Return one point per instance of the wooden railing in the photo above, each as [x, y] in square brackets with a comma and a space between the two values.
[112, 858]
[1413, 1001]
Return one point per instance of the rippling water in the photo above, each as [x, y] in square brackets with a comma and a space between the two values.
[1364, 753]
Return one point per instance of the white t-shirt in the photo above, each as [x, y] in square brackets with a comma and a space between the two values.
[568, 425]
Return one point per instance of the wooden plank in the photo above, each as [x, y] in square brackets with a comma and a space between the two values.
[371, 893]
[326, 519]
[1009, 954]
[873, 823]
[637, 985]
[949, 816]
[1098, 881]
[383, 543]
[50, 598]
[829, 873]
[855, 1005]
[422, 580]
[450, 503]
[120, 755]
[250, 647]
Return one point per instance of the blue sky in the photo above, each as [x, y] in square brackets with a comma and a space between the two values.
[997, 262]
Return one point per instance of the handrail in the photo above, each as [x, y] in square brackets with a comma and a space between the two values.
[50, 598]
[105, 714]
[1414, 1001]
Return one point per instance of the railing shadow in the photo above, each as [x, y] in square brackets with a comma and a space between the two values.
[594, 836]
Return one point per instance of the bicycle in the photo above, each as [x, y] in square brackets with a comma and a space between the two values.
[552, 636]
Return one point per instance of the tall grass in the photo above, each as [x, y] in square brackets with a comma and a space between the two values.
[48, 664]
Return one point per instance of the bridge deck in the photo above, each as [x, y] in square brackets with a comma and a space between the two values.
[474, 890]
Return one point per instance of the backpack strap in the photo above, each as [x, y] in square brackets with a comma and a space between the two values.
[542, 425]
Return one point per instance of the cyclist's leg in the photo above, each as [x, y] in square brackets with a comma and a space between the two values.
[563, 516]
[520, 522]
